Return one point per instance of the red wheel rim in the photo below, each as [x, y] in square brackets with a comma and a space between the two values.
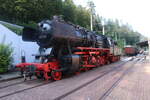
[56, 75]
[47, 77]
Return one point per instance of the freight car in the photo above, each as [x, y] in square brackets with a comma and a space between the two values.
[74, 49]
[130, 51]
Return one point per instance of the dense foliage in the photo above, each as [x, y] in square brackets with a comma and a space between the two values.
[28, 12]
[5, 57]
[124, 34]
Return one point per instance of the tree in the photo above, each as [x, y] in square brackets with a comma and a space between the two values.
[69, 11]
[29, 12]
[5, 57]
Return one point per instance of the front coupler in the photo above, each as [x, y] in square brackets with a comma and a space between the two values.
[49, 70]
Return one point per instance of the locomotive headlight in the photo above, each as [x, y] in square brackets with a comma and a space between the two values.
[46, 27]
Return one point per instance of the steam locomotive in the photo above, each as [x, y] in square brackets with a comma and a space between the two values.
[73, 49]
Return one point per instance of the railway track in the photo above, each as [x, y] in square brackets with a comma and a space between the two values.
[24, 86]
[91, 81]
[18, 86]
[12, 83]
[5, 80]
[116, 82]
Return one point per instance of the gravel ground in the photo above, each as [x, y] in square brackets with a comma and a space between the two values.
[98, 88]
[9, 76]
[58, 88]
[135, 85]
[126, 82]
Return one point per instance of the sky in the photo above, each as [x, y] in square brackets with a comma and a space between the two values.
[134, 12]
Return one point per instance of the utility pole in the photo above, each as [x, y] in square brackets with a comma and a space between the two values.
[124, 42]
[91, 22]
[103, 25]
[149, 47]
[103, 30]
[91, 6]
[116, 37]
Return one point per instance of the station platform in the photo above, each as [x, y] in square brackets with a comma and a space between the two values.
[9, 76]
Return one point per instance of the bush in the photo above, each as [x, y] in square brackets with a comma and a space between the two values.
[5, 57]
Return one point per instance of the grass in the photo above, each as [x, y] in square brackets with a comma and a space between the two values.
[17, 30]
[3, 70]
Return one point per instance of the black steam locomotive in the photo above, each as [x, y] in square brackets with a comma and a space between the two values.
[74, 49]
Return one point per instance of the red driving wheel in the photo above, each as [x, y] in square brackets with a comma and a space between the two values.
[56, 75]
[102, 60]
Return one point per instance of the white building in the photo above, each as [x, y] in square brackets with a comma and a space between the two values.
[19, 47]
